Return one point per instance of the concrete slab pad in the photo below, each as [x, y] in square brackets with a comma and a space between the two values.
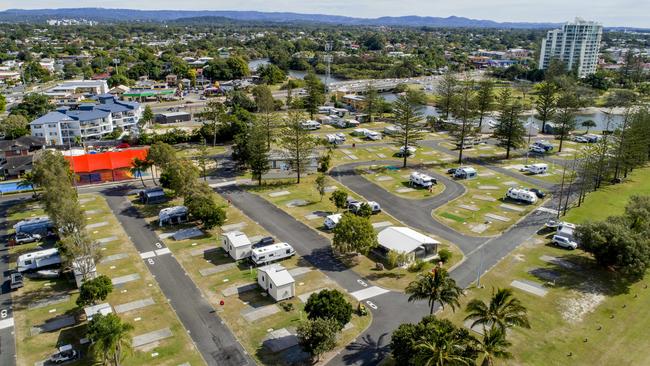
[239, 289]
[545, 274]
[384, 178]
[204, 250]
[479, 228]
[297, 203]
[124, 279]
[447, 159]
[187, 233]
[330, 189]
[114, 257]
[97, 224]
[93, 212]
[497, 217]
[488, 188]
[346, 151]
[305, 297]
[166, 235]
[367, 293]
[477, 328]
[547, 210]
[50, 300]
[156, 335]
[469, 207]
[512, 207]
[379, 225]
[218, 269]
[382, 156]
[87, 199]
[107, 240]
[233, 227]
[133, 305]
[487, 174]
[279, 194]
[54, 324]
[405, 190]
[279, 340]
[353, 157]
[256, 238]
[558, 261]
[510, 183]
[530, 287]
[516, 167]
[299, 271]
[484, 198]
[260, 313]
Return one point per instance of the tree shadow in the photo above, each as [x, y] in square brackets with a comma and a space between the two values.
[367, 350]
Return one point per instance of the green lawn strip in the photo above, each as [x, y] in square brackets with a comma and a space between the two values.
[193, 151]
[463, 220]
[554, 174]
[249, 334]
[398, 181]
[480, 150]
[173, 351]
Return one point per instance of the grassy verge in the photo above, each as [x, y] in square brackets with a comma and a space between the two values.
[396, 181]
[32, 348]
[190, 253]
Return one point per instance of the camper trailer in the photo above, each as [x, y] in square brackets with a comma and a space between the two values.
[521, 195]
[422, 180]
[37, 225]
[392, 130]
[373, 135]
[237, 245]
[536, 168]
[172, 215]
[335, 139]
[152, 195]
[331, 221]
[38, 260]
[360, 132]
[465, 172]
[356, 206]
[271, 253]
[310, 125]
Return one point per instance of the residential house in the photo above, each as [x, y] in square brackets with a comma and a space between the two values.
[17, 156]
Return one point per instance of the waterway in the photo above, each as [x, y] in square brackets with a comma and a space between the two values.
[296, 74]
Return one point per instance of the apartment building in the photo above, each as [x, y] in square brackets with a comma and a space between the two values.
[89, 121]
[577, 44]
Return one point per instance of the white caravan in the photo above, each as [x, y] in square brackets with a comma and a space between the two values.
[539, 168]
[374, 206]
[331, 221]
[172, 215]
[373, 135]
[38, 260]
[521, 195]
[271, 253]
[310, 125]
[422, 180]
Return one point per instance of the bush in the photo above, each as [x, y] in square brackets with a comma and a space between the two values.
[286, 306]
[329, 304]
[416, 266]
[445, 255]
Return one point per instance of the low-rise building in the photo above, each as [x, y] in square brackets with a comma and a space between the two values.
[277, 281]
[407, 241]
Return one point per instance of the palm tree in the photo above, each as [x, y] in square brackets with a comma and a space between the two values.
[504, 311]
[140, 166]
[435, 286]
[445, 344]
[494, 345]
[28, 181]
[110, 337]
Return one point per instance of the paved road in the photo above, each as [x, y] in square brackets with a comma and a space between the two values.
[7, 342]
[213, 339]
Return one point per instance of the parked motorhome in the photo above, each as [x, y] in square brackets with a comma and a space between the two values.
[373, 135]
[172, 215]
[465, 172]
[326, 109]
[470, 142]
[271, 253]
[361, 132]
[335, 139]
[38, 225]
[539, 168]
[152, 195]
[331, 221]
[422, 180]
[310, 125]
[521, 195]
[38, 260]
[237, 245]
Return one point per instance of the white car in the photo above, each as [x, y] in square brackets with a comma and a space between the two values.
[537, 149]
[564, 242]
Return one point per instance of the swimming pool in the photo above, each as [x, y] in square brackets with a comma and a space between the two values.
[6, 187]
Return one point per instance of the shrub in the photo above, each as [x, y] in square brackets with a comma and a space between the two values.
[445, 255]
[286, 306]
[416, 266]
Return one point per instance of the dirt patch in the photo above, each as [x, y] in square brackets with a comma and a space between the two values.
[581, 302]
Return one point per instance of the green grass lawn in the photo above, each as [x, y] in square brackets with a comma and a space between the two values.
[33, 348]
[249, 334]
[554, 174]
[398, 183]
[485, 195]
[587, 317]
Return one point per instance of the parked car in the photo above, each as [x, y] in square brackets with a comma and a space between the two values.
[564, 242]
[538, 192]
[15, 281]
[537, 149]
[24, 238]
[580, 139]
[66, 353]
[451, 170]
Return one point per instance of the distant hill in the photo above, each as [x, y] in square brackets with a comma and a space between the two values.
[129, 15]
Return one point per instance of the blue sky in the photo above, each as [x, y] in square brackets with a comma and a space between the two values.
[633, 13]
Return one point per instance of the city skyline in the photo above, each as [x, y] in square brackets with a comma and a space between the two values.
[625, 13]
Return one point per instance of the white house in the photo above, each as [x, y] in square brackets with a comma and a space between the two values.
[276, 280]
[406, 240]
[237, 245]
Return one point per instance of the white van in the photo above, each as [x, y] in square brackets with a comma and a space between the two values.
[539, 168]
[521, 195]
[331, 221]
[422, 180]
[271, 253]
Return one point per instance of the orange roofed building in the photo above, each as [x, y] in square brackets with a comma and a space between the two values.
[109, 166]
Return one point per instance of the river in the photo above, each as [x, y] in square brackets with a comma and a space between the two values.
[296, 74]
